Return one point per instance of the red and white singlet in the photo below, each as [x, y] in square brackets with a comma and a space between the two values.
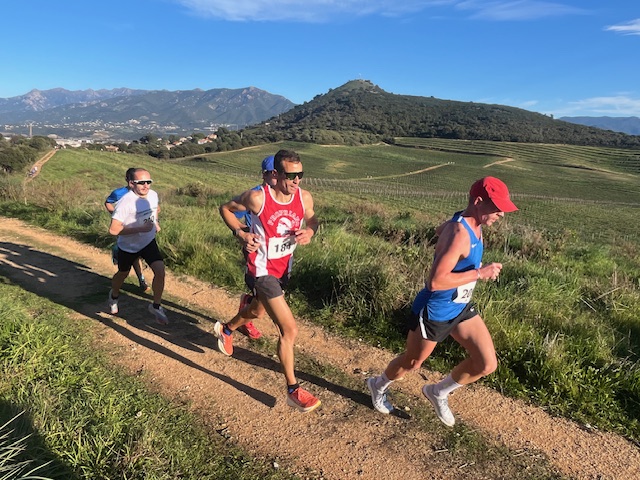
[276, 224]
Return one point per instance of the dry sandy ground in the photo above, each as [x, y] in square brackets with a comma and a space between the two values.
[243, 397]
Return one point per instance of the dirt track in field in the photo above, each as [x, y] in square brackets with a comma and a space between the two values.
[243, 397]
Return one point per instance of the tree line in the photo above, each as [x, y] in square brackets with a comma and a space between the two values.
[19, 152]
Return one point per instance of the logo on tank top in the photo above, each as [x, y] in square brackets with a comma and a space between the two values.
[285, 222]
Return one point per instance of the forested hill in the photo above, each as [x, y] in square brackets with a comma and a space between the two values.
[361, 112]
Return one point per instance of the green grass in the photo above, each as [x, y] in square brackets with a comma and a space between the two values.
[84, 419]
[564, 316]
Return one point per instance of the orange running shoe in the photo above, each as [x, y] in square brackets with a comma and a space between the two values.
[302, 400]
[248, 329]
[225, 342]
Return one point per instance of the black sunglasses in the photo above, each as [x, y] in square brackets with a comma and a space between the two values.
[142, 182]
[293, 175]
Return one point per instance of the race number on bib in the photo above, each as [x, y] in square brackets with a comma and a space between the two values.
[281, 246]
[464, 293]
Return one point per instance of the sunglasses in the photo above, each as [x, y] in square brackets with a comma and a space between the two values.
[142, 182]
[293, 175]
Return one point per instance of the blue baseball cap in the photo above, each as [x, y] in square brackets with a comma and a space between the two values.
[267, 164]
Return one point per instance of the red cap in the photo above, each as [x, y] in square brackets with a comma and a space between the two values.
[495, 190]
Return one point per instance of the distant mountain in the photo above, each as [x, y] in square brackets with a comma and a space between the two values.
[129, 114]
[630, 125]
[40, 100]
[361, 112]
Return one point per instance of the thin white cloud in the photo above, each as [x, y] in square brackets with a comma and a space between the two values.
[304, 10]
[517, 9]
[629, 28]
[528, 104]
[619, 105]
[326, 10]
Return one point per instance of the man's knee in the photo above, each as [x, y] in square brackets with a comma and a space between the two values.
[289, 331]
[487, 366]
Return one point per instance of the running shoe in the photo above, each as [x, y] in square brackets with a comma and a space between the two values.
[144, 286]
[379, 399]
[248, 329]
[441, 406]
[302, 400]
[159, 313]
[113, 304]
[225, 342]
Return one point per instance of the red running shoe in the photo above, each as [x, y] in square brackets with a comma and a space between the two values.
[248, 329]
[302, 400]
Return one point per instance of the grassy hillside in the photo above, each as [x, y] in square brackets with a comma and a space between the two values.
[360, 112]
[564, 315]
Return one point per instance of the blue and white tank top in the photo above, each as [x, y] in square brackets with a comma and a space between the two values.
[445, 305]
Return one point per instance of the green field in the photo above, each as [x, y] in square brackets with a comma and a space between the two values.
[565, 315]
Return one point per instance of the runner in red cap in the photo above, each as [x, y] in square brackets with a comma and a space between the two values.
[444, 306]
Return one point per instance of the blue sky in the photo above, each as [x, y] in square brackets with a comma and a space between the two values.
[565, 57]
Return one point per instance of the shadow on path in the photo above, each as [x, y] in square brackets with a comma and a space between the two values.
[77, 287]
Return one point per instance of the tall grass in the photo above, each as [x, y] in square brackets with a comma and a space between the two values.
[15, 464]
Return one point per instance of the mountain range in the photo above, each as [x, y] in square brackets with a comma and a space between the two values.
[125, 113]
[356, 112]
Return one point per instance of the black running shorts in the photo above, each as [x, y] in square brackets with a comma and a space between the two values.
[438, 331]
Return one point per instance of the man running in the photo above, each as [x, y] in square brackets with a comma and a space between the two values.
[135, 222]
[110, 204]
[444, 306]
[276, 230]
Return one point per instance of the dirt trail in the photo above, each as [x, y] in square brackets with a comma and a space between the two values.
[499, 162]
[242, 396]
[37, 167]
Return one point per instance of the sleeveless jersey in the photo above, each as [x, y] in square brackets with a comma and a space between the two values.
[276, 224]
[445, 305]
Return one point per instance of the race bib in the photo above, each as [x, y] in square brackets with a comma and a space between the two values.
[464, 292]
[281, 246]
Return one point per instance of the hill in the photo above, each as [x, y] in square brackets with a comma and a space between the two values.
[630, 125]
[129, 114]
[361, 112]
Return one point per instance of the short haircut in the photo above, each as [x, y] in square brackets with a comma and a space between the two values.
[284, 156]
[135, 172]
[129, 175]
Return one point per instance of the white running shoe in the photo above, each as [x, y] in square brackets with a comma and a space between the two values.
[441, 406]
[113, 304]
[378, 399]
[160, 314]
